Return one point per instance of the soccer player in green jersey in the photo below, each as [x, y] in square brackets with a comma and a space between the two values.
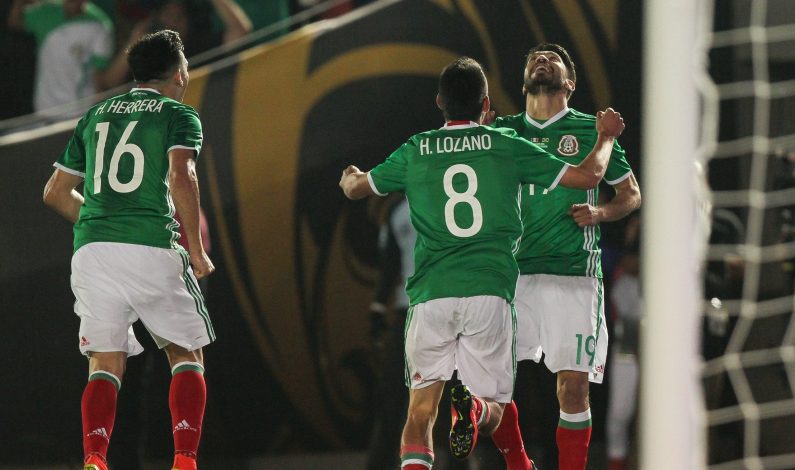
[462, 184]
[559, 297]
[138, 151]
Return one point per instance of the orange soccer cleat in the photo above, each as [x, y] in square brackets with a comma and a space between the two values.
[183, 462]
[95, 462]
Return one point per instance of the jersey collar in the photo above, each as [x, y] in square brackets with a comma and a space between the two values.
[145, 89]
[452, 125]
[549, 121]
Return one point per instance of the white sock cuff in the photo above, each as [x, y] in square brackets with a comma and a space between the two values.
[576, 417]
[103, 374]
[187, 365]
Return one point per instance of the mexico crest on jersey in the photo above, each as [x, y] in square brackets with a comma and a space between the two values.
[568, 145]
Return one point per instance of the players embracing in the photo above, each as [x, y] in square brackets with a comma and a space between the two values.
[462, 183]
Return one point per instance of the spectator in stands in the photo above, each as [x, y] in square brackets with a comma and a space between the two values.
[192, 20]
[627, 302]
[75, 49]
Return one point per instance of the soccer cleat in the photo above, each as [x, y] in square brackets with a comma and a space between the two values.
[95, 462]
[183, 462]
[464, 430]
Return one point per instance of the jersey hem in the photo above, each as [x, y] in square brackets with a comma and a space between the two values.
[549, 273]
[83, 243]
[452, 295]
[66, 169]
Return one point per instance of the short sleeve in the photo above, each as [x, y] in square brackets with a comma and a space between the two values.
[185, 131]
[73, 159]
[536, 166]
[618, 168]
[390, 176]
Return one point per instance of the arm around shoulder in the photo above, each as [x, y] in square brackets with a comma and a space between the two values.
[590, 171]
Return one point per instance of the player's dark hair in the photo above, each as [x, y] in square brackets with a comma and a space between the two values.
[560, 51]
[155, 56]
[462, 89]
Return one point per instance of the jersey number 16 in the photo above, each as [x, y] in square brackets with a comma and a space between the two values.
[121, 148]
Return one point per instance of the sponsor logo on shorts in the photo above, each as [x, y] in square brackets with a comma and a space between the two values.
[84, 342]
[184, 426]
[417, 377]
[101, 432]
[600, 369]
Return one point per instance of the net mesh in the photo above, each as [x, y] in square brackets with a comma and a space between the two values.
[748, 148]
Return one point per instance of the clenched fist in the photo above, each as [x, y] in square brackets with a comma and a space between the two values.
[609, 123]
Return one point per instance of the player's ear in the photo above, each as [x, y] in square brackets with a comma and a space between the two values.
[570, 85]
[486, 105]
[178, 78]
[439, 102]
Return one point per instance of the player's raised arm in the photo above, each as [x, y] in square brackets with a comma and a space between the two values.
[354, 183]
[590, 171]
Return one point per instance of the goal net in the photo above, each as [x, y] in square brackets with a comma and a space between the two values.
[748, 141]
[739, 63]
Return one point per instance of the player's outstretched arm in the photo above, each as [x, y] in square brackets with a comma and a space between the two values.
[60, 194]
[626, 200]
[354, 183]
[590, 171]
[184, 185]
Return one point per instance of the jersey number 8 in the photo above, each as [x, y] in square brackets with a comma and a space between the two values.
[467, 197]
[121, 148]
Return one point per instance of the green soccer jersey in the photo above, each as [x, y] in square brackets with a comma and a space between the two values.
[462, 183]
[552, 243]
[121, 149]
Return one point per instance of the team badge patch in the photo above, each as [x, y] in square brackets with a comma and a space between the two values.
[568, 145]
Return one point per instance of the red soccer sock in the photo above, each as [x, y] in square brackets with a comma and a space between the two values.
[508, 439]
[186, 399]
[415, 457]
[573, 437]
[98, 408]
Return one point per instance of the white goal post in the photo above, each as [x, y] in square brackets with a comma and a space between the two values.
[671, 417]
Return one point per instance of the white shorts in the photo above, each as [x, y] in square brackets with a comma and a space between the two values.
[472, 334]
[563, 318]
[115, 284]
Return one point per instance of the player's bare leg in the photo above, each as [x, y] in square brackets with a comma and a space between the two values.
[417, 442]
[574, 426]
[471, 416]
[186, 399]
[98, 405]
